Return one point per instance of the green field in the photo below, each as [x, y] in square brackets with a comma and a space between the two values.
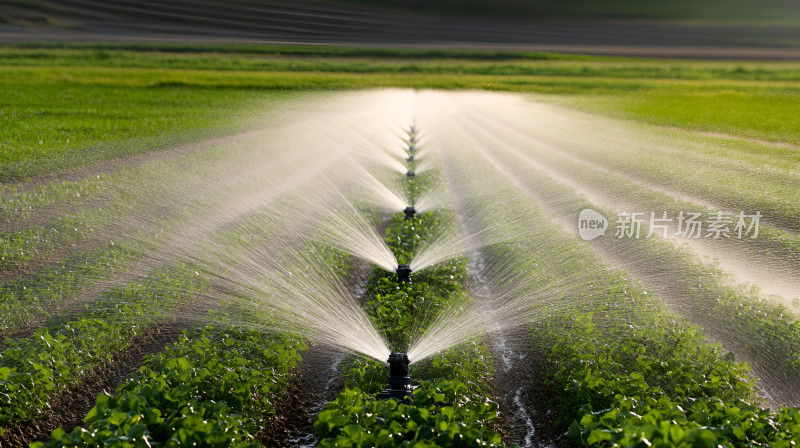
[180, 225]
[57, 102]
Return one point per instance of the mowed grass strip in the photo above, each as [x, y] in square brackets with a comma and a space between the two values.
[473, 63]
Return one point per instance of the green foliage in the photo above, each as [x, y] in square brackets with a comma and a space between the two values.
[747, 111]
[284, 59]
[61, 104]
[211, 388]
[49, 127]
[706, 422]
[214, 387]
[20, 299]
[36, 367]
[444, 413]
[440, 415]
[35, 242]
[628, 372]
[631, 373]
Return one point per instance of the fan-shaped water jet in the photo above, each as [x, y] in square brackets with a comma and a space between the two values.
[346, 229]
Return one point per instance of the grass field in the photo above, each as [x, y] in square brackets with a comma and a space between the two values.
[119, 99]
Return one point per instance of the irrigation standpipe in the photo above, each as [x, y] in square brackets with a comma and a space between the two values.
[399, 379]
[399, 370]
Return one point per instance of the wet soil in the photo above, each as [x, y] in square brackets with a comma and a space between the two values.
[317, 381]
[520, 390]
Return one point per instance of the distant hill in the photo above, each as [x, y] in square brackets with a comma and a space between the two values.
[715, 10]
[673, 28]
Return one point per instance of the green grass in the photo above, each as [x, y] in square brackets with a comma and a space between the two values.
[763, 113]
[355, 60]
[70, 105]
[52, 126]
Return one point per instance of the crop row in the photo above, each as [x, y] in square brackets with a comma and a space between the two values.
[212, 388]
[631, 372]
[737, 174]
[449, 406]
[33, 369]
[57, 358]
[51, 126]
[35, 295]
[698, 288]
[132, 197]
[218, 385]
[627, 371]
[757, 326]
[634, 188]
[18, 205]
[23, 298]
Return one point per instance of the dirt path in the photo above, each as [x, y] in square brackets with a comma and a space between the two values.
[520, 364]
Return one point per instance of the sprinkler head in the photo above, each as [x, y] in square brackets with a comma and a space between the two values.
[411, 147]
[409, 211]
[410, 158]
[399, 379]
[403, 274]
[411, 174]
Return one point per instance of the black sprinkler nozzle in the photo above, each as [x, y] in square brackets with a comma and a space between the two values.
[410, 158]
[409, 211]
[411, 174]
[403, 273]
[399, 379]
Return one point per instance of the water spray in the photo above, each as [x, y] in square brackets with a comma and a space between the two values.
[403, 273]
[409, 211]
[411, 174]
[399, 378]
